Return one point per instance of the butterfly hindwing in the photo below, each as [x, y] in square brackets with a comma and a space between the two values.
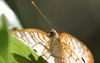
[74, 50]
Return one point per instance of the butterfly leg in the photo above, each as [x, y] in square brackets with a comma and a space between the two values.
[41, 44]
[44, 54]
[45, 51]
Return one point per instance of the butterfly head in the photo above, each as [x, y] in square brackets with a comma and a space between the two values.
[53, 33]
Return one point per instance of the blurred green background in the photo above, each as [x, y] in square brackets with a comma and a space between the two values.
[80, 18]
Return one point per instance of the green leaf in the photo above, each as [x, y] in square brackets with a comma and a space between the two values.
[4, 42]
[13, 50]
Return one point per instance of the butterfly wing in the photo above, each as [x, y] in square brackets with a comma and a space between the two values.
[37, 40]
[74, 50]
[34, 38]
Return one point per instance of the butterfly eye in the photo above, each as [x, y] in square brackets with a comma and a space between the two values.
[52, 33]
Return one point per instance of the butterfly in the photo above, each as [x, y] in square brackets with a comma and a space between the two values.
[55, 47]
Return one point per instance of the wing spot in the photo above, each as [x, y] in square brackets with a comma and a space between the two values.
[83, 59]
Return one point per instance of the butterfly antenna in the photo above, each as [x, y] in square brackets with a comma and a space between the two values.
[41, 13]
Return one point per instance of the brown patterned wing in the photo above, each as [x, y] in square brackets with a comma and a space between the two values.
[74, 50]
[34, 38]
[37, 40]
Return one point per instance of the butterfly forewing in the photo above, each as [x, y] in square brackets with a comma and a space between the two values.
[73, 51]
[34, 38]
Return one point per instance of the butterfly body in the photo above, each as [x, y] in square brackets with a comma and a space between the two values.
[54, 47]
